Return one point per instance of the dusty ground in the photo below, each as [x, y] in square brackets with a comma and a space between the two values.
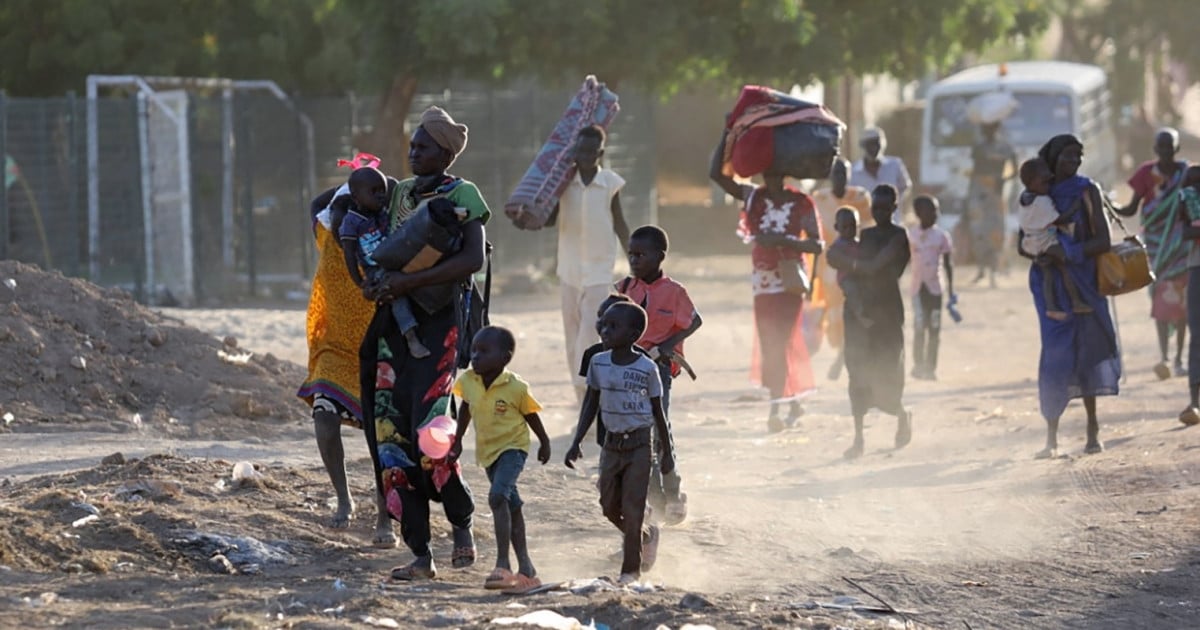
[961, 529]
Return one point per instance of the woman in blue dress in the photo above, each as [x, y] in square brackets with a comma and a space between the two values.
[1079, 355]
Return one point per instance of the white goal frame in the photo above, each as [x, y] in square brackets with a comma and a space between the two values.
[147, 88]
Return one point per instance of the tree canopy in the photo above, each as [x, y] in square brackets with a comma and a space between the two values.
[1130, 36]
[327, 46]
[390, 48]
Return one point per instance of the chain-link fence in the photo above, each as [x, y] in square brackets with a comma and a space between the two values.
[241, 228]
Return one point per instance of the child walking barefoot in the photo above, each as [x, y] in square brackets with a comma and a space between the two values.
[626, 386]
[504, 412]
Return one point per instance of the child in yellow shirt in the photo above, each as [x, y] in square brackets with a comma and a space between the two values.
[504, 412]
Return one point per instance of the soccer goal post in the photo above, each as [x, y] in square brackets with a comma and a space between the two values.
[164, 149]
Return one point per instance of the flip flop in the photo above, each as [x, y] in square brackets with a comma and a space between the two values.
[500, 580]
[523, 585]
[462, 557]
[411, 573]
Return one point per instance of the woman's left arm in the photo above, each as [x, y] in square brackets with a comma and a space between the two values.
[1100, 240]
[457, 267]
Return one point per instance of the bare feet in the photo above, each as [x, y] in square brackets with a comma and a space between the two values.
[1050, 452]
[1190, 416]
[415, 347]
[1093, 447]
[384, 537]
[774, 424]
[855, 451]
[342, 517]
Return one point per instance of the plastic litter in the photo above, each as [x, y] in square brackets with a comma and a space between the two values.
[85, 520]
[380, 622]
[245, 470]
[545, 619]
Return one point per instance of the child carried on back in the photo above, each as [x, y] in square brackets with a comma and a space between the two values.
[845, 222]
[429, 233]
[1040, 224]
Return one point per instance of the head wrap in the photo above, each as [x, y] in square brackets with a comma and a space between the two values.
[448, 134]
[1054, 148]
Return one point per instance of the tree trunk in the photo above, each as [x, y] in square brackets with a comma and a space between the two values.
[388, 139]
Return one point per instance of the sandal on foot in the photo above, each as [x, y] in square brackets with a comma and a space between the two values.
[500, 580]
[462, 557]
[412, 572]
[1190, 416]
[522, 584]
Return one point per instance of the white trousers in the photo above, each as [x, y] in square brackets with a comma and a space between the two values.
[579, 306]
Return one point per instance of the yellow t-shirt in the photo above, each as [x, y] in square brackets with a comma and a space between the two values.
[498, 413]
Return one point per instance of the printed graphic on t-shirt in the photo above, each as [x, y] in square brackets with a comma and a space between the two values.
[368, 242]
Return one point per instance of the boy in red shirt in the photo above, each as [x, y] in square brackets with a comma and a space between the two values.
[670, 318]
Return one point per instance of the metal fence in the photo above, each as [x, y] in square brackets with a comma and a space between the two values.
[251, 171]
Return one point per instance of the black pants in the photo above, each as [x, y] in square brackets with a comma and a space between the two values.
[624, 484]
[927, 328]
[406, 393]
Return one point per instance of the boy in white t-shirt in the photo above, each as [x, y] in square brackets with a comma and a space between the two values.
[1040, 223]
[590, 224]
[931, 258]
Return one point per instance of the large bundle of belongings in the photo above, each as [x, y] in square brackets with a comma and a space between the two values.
[547, 177]
[991, 108]
[769, 131]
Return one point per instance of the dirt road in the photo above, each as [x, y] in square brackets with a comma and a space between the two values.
[962, 527]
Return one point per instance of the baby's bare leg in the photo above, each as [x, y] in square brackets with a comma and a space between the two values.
[1078, 306]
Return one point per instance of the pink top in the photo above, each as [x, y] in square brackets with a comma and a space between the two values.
[928, 248]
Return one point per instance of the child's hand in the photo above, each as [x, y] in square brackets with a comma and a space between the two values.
[663, 354]
[573, 454]
[544, 453]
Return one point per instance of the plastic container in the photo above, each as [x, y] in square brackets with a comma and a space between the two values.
[435, 438]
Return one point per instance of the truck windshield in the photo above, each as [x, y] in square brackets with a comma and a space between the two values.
[1039, 116]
